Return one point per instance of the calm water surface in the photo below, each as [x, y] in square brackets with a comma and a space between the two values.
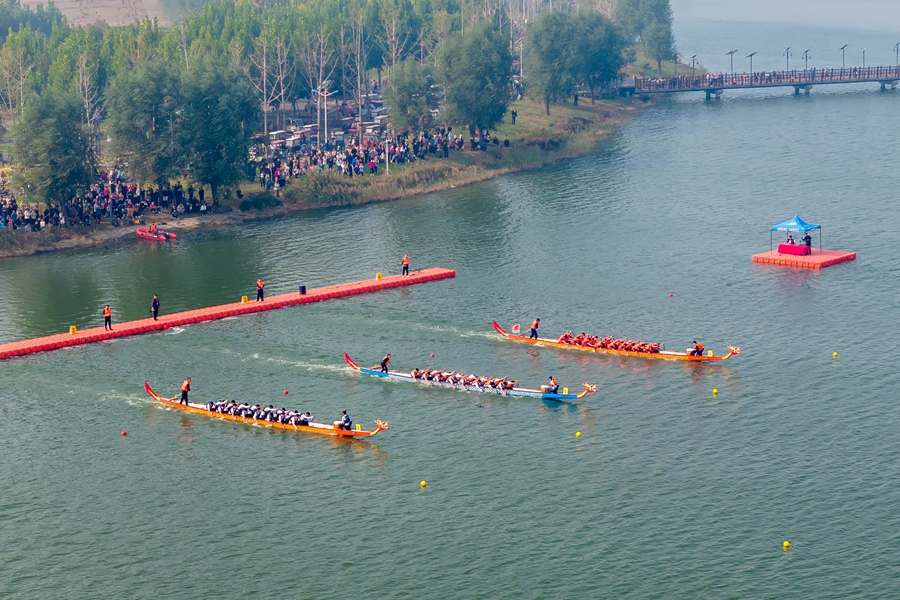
[670, 493]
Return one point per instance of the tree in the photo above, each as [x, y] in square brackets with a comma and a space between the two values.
[474, 71]
[659, 44]
[52, 147]
[216, 125]
[599, 50]
[409, 96]
[143, 120]
[550, 57]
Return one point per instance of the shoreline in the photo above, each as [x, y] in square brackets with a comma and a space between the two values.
[536, 141]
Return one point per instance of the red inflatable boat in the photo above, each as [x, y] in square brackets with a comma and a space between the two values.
[157, 236]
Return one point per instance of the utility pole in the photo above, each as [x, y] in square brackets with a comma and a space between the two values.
[787, 57]
[806, 60]
[693, 65]
[731, 55]
[750, 56]
[864, 56]
[843, 62]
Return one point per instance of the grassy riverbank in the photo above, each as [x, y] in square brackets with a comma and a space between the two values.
[536, 140]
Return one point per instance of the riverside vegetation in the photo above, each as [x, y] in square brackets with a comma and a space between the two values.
[183, 103]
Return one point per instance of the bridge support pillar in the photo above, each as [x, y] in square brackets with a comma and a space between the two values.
[884, 85]
[711, 93]
[806, 89]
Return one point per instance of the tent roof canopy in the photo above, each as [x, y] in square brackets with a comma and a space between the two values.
[795, 224]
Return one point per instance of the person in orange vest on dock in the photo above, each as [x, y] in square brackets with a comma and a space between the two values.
[185, 388]
[107, 318]
[698, 349]
[405, 265]
[260, 290]
[534, 327]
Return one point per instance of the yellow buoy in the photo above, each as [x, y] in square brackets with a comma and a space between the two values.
[378, 276]
[715, 391]
[73, 330]
[423, 483]
[834, 355]
[578, 434]
[244, 299]
[786, 544]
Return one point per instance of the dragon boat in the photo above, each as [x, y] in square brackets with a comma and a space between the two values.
[659, 355]
[462, 387]
[313, 427]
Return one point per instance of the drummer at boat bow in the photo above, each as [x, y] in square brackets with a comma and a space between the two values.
[698, 349]
[385, 363]
[552, 386]
[345, 420]
[534, 328]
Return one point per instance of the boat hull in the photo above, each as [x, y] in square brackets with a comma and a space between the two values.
[314, 428]
[160, 236]
[515, 392]
[662, 355]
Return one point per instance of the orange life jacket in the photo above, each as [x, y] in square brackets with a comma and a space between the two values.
[535, 324]
[406, 259]
[259, 284]
[107, 312]
[699, 347]
[186, 386]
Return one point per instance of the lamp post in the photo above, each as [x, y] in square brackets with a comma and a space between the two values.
[326, 96]
[694, 65]
[897, 52]
[843, 62]
[731, 55]
[787, 58]
[750, 56]
[806, 60]
[864, 56]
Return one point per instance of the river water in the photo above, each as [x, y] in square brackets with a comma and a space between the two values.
[670, 491]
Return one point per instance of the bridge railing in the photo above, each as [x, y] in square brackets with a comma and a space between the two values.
[766, 78]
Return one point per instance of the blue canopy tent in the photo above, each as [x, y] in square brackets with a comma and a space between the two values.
[795, 225]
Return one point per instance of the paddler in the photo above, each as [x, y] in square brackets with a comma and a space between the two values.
[534, 327]
[185, 388]
[405, 265]
[385, 362]
[260, 290]
[107, 318]
[698, 349]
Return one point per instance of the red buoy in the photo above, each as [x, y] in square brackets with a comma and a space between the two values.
[285, 392]
[124, 433]
[432, 355]
[670, 295]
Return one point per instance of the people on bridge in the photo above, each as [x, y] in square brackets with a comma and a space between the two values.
[185, 388]
[405, 265]
[534, 328]
[698, 349]
[107, 318]
[154, 306]
[260, 290]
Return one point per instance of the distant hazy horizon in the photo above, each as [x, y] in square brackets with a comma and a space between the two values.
[873, 15]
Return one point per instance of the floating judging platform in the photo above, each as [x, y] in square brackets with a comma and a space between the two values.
[817, 260]
[130, 328]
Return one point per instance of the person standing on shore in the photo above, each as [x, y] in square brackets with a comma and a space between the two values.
[185, 388]
[405, 270]
[107, 318]
[260, 290]
[154, 306]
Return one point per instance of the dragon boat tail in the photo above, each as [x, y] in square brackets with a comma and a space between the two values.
[660, 355]
[313, 427]
[516, 391]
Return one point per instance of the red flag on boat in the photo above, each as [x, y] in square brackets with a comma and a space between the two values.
[515, 329]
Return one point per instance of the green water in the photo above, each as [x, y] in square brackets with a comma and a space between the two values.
[669, 493]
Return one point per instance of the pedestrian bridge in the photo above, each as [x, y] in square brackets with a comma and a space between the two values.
[801, 81]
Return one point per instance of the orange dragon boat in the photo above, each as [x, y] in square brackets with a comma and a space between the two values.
[659, 354]
[313, 427]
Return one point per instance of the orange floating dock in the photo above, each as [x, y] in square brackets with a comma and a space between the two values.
[817, 260]
[130, 328]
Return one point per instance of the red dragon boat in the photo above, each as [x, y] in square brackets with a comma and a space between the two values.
[313, 427]
[660, 355]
